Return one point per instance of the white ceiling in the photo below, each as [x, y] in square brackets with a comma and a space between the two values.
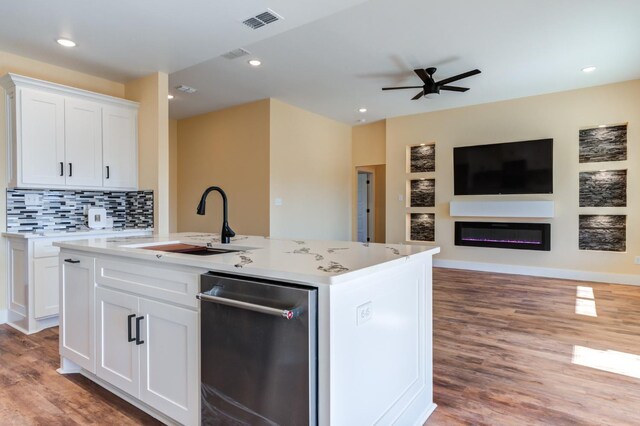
[333, 56]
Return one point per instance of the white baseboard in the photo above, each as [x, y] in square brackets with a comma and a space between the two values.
[4, 316]
[567, 274]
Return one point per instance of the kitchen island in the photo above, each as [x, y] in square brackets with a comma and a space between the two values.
[131, 320]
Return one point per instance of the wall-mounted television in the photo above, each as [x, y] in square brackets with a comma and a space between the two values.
[524, 167]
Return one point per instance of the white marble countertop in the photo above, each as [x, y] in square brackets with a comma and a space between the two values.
[78, 233]
[313, 262]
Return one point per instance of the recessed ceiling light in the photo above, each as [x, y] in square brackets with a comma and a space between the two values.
[255, 63]
[589, 69]
[66, 42]
[362, 110]
[169, 97]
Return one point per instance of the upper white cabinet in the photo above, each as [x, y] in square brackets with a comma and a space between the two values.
[63, 137]
[120, 149]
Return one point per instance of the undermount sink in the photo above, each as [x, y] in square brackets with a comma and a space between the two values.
[184, 248]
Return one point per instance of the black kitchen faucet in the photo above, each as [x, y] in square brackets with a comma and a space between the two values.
[227, 232]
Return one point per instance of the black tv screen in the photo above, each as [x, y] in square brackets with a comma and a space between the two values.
[504, 168]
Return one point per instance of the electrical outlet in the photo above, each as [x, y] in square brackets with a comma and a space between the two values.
[637, 261]
[32, 199]
[400, 197]
[364, 313]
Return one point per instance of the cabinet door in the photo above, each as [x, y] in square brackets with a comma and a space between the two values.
[118, 359]
[76, 322]
[120, 147]
[40, 139]
[83, 143]
[46, 290]
[170, 380]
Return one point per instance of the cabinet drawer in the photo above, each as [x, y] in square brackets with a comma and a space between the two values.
[44, 248]
[158, 282]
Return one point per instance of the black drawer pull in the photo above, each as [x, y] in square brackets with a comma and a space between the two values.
[70, 169]
[107, 172]
[129, 327]
[138, 341]
[71, 261]
[61, 168]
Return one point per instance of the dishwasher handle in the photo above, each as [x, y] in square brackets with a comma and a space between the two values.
[283, 313]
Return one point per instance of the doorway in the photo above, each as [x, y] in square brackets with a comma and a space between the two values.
[366, 210]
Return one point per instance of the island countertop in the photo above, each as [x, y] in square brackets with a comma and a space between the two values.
[306, 261]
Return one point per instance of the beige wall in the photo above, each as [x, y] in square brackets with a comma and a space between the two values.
[558, 116]
[368, 148]
[173, 175]
[28, 67]
[229, 149]
[153, 142]
[310, 173]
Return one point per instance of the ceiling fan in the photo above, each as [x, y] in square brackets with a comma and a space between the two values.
[432, 86]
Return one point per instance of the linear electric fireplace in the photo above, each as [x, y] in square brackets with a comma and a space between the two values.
[523, 236]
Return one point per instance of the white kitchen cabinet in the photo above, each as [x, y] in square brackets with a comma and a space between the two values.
[34, 279]
[143, 348]
[168, 363]
[83, 143]
[45, 277]
[120, 149]
[77, 332]
[62, 137]
[118, 356]
[39, 127]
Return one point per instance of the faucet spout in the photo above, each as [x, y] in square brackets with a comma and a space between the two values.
[227, 232]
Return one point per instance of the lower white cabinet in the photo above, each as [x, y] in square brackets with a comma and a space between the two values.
[77, 319]
[45, 276]
[145, 348]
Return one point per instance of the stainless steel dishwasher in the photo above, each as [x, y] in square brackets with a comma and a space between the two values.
[258, 352]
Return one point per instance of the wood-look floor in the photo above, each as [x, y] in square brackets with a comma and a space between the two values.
[504, 344]
[503, 350]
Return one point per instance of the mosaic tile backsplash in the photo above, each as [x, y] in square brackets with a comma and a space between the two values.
[64, 210]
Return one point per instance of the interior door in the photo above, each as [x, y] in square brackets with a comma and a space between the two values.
[363, 207]
[169, 371]
[83, 143]
[118, 354]
[41, 138]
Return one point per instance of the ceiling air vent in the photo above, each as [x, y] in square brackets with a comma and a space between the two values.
[237, 53]
[186, 89]
[262, 19]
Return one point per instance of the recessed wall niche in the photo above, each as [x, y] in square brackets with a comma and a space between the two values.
[422, 158]
[602, 232]
[603, 144]
[422, 226]
[604, 188]
[423, 193]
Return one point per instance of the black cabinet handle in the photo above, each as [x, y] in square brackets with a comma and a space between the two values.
[129, 336]
[61, 168]
[71, 261]
[138, 341]
[107, 172]
[70, 169]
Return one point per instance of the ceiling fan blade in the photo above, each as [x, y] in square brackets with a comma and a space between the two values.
[423, 75]
[454, 88]
[403, 87]
[458, 77]
[418, 96]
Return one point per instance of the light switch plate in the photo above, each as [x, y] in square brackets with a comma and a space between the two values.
[278, 201]
[637, 261]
